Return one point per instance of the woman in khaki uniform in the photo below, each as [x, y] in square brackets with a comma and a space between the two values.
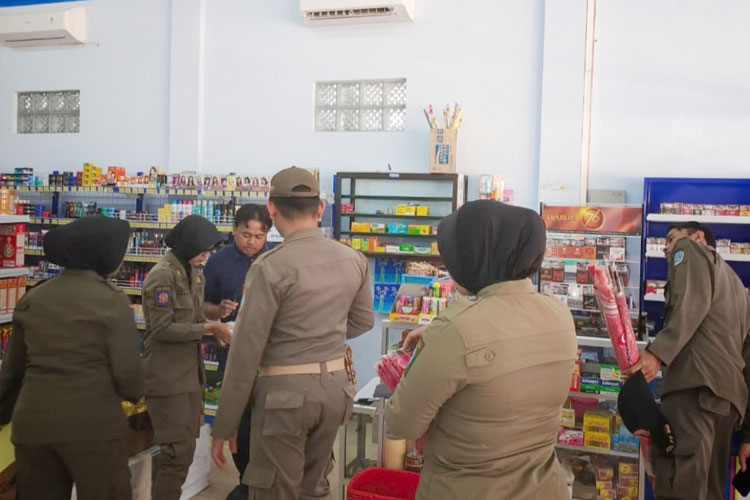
[490, 375]
[175, 325]
[73, 358]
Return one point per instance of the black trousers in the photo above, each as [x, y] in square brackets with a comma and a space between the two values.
[242, 457]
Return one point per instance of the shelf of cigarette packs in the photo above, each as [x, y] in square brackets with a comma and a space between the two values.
[722, 204]
[603, 477]
[565, 275]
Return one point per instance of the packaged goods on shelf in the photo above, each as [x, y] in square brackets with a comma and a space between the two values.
[420, 304]
[597, 476]
[13, 238]
[11, 291]
[705, 209]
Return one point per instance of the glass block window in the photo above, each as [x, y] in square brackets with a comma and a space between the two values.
[360, 106]
[55, 112]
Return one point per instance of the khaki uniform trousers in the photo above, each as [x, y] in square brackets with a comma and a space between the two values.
[99, 470]
[295, 420]
[703, 425]
[176, 420]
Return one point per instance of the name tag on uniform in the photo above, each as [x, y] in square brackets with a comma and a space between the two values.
[163, 298]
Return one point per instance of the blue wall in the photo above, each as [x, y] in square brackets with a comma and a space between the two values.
[16, 3]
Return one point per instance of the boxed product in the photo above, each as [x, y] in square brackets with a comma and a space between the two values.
[611, 373]
[628, 469]
[406, 210]
[571, 437]
[12, 294]
[398, 228]
[377, 227]
[568, 416]
[361, 227]
[13, 238]
[597, 421]
[599, 440]
[423, 211]
[443, 151]
[3, 297]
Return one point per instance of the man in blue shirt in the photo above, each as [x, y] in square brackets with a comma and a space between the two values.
[225, 276]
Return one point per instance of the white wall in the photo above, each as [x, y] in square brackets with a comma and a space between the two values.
[671, 92]
[123, 75]
[262, 62]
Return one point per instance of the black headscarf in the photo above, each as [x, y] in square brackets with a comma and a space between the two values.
[487, 242]
[95, 243]
[192, 236]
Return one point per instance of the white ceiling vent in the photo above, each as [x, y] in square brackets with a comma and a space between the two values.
[344, 12]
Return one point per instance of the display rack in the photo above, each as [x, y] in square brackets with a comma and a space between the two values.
[698, 194]
[578, 236]
[8, 273]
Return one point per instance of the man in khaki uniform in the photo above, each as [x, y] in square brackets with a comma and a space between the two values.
[175, 325]
[490, 375]
[705, 391]
[305, 298]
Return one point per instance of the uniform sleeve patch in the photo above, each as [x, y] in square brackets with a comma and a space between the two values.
[163, 298]
[679, 257]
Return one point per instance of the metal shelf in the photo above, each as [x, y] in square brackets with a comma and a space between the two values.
[396, 198]
[395, 217]
[592, 261]
[598, 451]
[708, 219]
[352, 233]
[13, 219]
[384, 255]
[61, 221]
[734, 257]
[6, 318]
[10, 273]
[144, 190]
[608, 396]
[631, 287]
[603, 342]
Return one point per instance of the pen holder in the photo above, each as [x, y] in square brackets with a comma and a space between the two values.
[443, 150]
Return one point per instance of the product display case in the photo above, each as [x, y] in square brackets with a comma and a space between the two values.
[603, 456]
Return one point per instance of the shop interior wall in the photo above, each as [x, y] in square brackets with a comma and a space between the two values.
[123, 75]
[671, 92]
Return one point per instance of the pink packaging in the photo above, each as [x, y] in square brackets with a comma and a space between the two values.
[570, 437]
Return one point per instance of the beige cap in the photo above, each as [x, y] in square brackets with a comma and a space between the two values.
[294, 182]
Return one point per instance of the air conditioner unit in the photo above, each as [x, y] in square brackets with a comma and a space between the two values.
[34, 29]
[338, 12]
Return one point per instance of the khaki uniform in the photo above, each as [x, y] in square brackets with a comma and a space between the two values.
[487, 386]
[175, 376]
[73, 358]
[705, 391]
[306, 298]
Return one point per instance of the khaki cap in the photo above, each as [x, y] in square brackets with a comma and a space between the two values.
[294, 182]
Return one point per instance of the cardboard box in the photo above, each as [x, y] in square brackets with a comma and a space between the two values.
[568, 418]
[13, 240]
[443, 150]
[3, 296]
[599, 440]
[597, 421]
[12, 294]
[423, 211]
[570, 437]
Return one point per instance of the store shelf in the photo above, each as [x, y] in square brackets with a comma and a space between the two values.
[633, 314]
[383, 255]
[603, 342]
[13, 219]
[606, 396]
[10, 273]
[396, 217]
[707, 219]
[597, 451]
[6, 318]
[61, 221]
[429, 236]
[395, 198]
[211, 366]
[631, 287]
[399, 325]
[34, 251]
[654, 298]
[144, 190]
[733, 257]
[590, 261]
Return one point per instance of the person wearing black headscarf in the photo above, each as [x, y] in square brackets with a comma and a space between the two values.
[490, 374]
[175, 325]
[73, 358]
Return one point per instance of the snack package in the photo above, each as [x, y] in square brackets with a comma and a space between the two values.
[391, 368]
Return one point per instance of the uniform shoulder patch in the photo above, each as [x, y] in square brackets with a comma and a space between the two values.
[678, 257]
[163, 297]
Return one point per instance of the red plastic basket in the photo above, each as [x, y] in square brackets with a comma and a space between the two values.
[383, 484]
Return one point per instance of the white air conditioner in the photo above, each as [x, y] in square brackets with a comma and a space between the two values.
[338, 12]
[34, 29]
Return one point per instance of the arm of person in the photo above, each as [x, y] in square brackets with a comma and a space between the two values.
[361, 313]
[691, 292]
[252, 329]
[436, 373]
[159, 297]
[124, 356]
[12, 373]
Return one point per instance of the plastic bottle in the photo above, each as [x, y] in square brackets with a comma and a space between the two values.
[175, 209]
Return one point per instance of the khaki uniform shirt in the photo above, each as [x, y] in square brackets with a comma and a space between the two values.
[302, 300]
[706, 325]
[173, 309]
[487, 386]
[74, 357]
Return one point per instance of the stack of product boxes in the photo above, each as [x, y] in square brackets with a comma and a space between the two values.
[374, 244]
[387, 278]
[616, 480]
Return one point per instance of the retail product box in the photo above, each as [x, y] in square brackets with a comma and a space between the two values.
[413, 315]
[4, 296]
[599, 440]
[361, 227]
[13, 239]
[443, 144]
[597, 421]
[410, 210]
[423, 211]
[398, 228]
[624, 443]
[568, 417]
[377, 227]
[12, 294]
[611, 373]
[571, 437]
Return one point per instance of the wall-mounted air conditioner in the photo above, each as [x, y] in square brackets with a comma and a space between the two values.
[34, 29]
[338, 12]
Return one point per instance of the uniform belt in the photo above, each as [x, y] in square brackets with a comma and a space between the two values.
[308, 369]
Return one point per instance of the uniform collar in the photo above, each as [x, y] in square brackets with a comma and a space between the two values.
[305, 234]
[515, 287]
[88, 273]
[179, 267]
